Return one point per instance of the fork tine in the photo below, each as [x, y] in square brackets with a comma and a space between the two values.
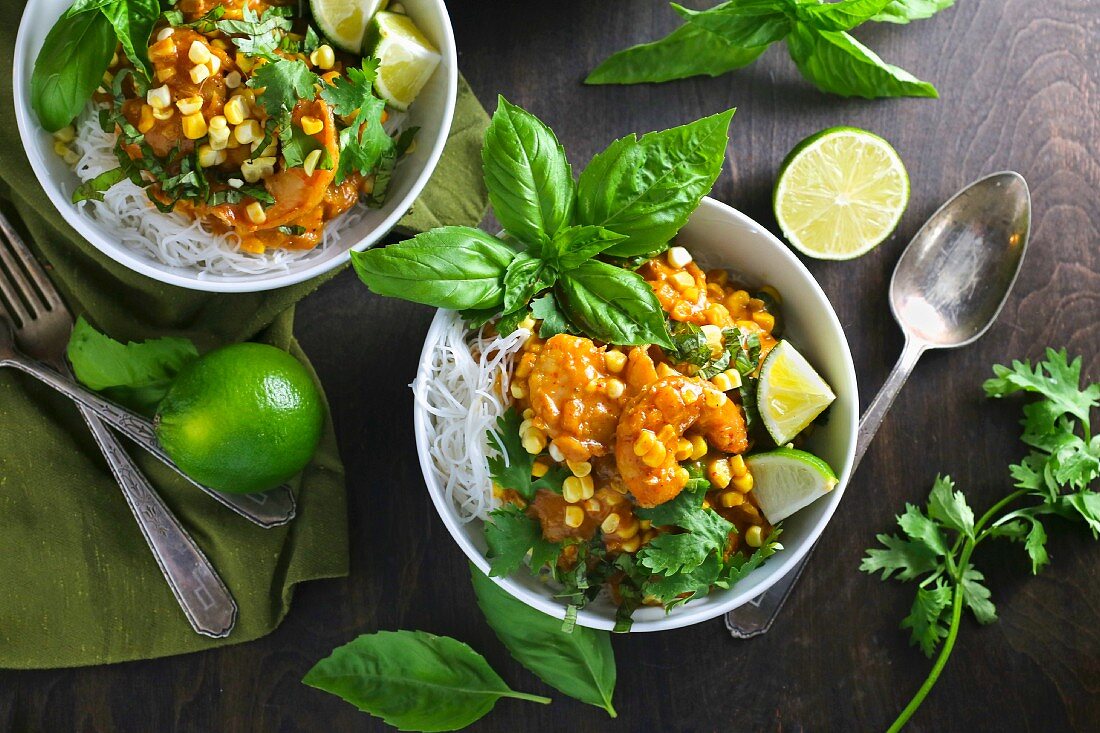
[30, 264]
[10, 295]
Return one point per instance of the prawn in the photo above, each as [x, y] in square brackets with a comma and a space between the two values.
[653, 422]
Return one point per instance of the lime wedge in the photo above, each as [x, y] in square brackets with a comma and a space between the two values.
[840, 192]
[791, 394]
[786, 480]
[406, 59]
[345, 21]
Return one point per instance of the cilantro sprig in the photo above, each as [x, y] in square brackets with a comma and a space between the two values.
[937, 541]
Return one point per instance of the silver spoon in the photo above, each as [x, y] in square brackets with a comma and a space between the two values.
[947, 289]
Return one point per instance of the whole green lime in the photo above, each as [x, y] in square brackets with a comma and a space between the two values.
[242, 418]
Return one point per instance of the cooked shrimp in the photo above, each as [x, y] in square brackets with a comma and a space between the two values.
[651, 426]
[570, 396]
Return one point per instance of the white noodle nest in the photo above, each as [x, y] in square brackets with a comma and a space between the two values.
[464, 386]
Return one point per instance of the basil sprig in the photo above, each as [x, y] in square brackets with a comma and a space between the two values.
[734, 34]
[630, 201]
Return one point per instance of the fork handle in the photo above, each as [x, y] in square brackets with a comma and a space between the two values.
[267, 509]
[206, 602]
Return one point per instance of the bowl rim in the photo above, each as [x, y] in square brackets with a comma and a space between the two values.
[686, 614]
[28, 126]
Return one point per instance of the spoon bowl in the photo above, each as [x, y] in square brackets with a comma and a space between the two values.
[958, 270]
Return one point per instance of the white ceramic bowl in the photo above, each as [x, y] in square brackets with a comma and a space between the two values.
[718, 236]
[432, 113]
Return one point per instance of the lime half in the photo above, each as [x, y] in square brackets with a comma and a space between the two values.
[840, 192]
[345, 21]
[791, 394]
[786, 480]
[406, 59]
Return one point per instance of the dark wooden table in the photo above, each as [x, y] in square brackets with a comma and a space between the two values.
[1020, 86]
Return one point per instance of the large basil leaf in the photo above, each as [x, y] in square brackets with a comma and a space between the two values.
[839, 16]
[690, 50]
[575, 245]
[133, 21]
[70, 66]
[528, 176]
[580, 664]
[613, 305]
[525, 276]
[646, 189]
[903, 11]
[413, 680]
[746, 23]
[450, 267]
[137, 375]
[840, 64]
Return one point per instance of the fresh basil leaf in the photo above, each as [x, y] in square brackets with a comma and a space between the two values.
[690, 50]
[93, 190]
[840, 64]
[70, 67]
[745, 23]
[903, 11]
[547, 310]
[413, 680]
[528, 176]
[133, 21]
[526, 275]
[580, 664]
[646, 189]
[450, 267]
[838, 16]
[575, 245]
[137, 375]
[613, 305]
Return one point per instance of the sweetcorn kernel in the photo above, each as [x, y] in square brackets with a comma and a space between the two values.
[312, 125]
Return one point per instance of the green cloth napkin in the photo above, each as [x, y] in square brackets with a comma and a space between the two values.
[78, 584]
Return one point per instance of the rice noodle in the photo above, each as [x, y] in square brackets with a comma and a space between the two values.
[173, 238]
[463, 387]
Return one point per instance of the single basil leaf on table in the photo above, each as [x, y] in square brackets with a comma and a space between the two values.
[903, 11]
[580, 664]
[528, 176]
[745, 23]
[575, 245]
[647, 188]
[413, 680]
[454, 267]
[133, 21]
[70, 67]
[838, 16]
[135, 374]
[840, 64]
[613, 305]
[526, 275]
[690, 50]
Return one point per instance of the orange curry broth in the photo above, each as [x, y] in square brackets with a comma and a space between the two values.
[589, 403]
[303, 202]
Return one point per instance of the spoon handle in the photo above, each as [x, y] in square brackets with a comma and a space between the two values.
[757, 616]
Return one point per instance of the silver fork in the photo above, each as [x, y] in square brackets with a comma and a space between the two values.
[42, 327]
[267, 509]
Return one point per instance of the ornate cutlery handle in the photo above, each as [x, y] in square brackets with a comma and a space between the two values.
[267, 509]
[202, 595]
[757, 616]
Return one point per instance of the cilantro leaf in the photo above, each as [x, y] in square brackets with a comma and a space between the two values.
[547, 310]
[922, 529]
[705, 532]
[678, 588]
[949, 507]
[976, 596]
[364, 143]
[283, 82]
[925, 619]
[739, 566]
[1035, 544]
[511, 535]
[907, 559]
[1057, 379]
[512, 467]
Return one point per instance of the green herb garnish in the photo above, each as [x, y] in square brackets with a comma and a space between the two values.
[1053, 480]
[735, 33]
[632, 199]
[414, 680]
